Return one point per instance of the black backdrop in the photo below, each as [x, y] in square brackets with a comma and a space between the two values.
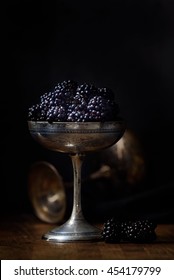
[125, 45]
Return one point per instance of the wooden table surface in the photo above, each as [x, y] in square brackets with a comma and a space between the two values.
[20, 239]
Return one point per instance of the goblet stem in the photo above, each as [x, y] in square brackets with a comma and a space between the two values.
[76, 228]
[77, 161]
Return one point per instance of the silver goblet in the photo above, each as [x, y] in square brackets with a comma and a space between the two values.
[76, 139]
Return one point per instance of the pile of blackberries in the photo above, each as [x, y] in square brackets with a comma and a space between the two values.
[135, 231]
[73, 102]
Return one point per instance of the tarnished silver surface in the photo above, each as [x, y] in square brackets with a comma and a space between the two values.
[76, 139]
[46, 192]
[70, 137]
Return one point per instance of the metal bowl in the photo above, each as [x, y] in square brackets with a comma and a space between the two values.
[74, 137]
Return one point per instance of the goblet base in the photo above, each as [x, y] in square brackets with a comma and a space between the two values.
[71, 231]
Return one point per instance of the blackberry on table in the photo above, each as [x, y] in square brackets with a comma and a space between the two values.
[137, 231]
[111, 231]
[123, 229]
[141, 231]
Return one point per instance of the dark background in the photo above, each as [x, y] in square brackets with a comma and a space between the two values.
[125, 45]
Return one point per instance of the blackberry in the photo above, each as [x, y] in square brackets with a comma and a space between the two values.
[36, 113]
[123, 229]
[57, 113]
[102, 109]
[66, 86]
[138, 231]
[86, 90]
[111, 231]
[66, 90]
[77, 109]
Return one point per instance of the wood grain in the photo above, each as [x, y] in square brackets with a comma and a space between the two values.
[20, 238]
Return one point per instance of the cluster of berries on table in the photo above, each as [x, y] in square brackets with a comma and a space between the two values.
[134, 231]
[73, 102]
